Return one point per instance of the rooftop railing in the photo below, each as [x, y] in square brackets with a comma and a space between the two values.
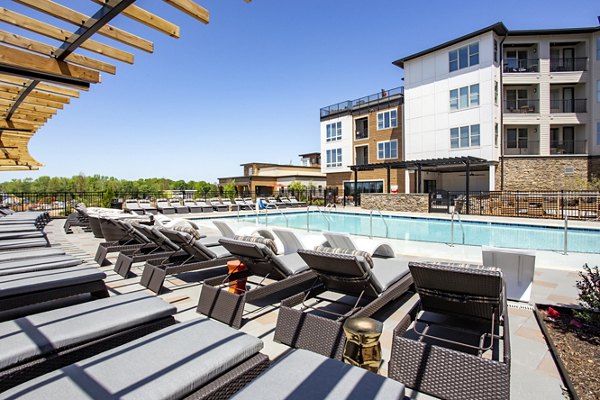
[374, 99]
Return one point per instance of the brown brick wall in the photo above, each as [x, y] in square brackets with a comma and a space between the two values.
[543, 173]
[382, 135]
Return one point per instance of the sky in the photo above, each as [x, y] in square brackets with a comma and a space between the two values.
[249, 85]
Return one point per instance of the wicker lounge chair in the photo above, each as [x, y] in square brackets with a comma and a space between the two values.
[132, 206]
[130, 239]
[192, 206]
[241, 204]
[296, 201]
[292, 242]
[164, 207]
[290, 273]
[230, 205]
[301, 374]
[517, 266]
[378, 281]
[179, 208]
[461, 331]
[198, 359]
[40, 343]
[250, 203]
[20, 290]
[228, 232]
[218, 206]
[205, 208]
[21, 244]
[288, 202]
[30, 253]
[344, 241]
[197, 257]
[277, 204]
[147, 206]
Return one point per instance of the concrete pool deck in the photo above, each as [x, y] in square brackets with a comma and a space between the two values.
[534, 374]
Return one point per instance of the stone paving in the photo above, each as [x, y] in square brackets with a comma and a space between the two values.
[534, 373]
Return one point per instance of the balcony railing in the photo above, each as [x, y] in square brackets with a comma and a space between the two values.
[568, 106]
[522, 65]
[371, 100]
[571, 64]
[522, 106]
[361, 134]
[568, 147]
[522, 146]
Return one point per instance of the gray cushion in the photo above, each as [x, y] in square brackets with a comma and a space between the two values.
[11, 285]
[388, 271]
[291, 263]
[302, 374]
[33, 253]
[37, 334]
[167, 364]
[38, 264]
[22, 243]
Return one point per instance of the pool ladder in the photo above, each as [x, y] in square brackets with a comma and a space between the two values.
[371, 223]
[327, 219]
[462, 228]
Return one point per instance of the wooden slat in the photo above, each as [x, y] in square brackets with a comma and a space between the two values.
[66, 14]
[32, 100]
[14, 125]
[29, 61]
[30, 107]
[190, 8]
[47, 50]
[34, 124]
[31, 24]
[36, 93]
[29, 116]
[19, 81]
[151, 20]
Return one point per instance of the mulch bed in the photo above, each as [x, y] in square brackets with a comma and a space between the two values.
[578, 347]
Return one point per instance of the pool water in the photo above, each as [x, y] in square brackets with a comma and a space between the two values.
[439, 231]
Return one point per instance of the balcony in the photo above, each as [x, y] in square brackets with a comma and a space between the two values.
[521, 106]
[522, 147]
[568, 65]
[568, 147]
[568, 106]
[521, 65]
[374, 101]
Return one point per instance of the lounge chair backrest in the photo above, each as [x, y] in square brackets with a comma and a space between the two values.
[340, 240]
[341, 272]
[461, 289]
[291, 242]
[257, 257]
[188, 243]
[224, 228]
[133, 232]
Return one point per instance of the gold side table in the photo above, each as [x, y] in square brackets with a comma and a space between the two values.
[362, 347]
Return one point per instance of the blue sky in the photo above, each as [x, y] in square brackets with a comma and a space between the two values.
[249, 85]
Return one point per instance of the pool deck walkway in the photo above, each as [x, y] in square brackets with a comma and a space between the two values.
[534, 374]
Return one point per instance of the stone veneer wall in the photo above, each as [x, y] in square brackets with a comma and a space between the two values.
[543, 173]
[407, 202]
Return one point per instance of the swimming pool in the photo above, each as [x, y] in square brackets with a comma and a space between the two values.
[439, 231]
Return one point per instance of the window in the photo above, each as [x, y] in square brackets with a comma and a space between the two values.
[464, 57]
[495, 51]
[334, 131]
[516, 99]
[334, 158]
[598, 91]
[516, 138]
[496, 92]
[386, 150]
[387, 119]
[464, 136]
[464, 97]
[598, 48]
[496, 134]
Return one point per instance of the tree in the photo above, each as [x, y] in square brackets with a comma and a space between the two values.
[229, 189]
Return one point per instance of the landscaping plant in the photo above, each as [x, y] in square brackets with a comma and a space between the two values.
[589, 296]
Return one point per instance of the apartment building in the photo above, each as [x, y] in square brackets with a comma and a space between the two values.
[525, 104]
[361, 132]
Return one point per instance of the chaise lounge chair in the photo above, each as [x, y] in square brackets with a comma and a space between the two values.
[164, 207]
[196, 359]
[147, 207]
[192, 206]
[292, 242]
[290, 273]
[353, 273]
[132, 206]
[38, 264]
[40, 343]
[197, 257]
[460, 331]
[301, 374]
[344, 241]
[218, 206]
[179, 208]
[205, 208]
[130, 239]
[227, 231]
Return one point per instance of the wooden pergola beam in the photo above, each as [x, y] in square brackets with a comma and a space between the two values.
[10, 126]
[46, 87]
[33, 25]
[29, 107]
[36, 93]
[32, 100]
[147, 18]
[66, 14]
[47, 50]
[190, 8]
[22, 63]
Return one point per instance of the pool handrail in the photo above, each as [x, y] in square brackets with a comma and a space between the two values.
[320, 212]
[287, 222]
[462, 228]
[371, 223]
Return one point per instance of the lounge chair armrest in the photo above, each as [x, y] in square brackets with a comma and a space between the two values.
[402, 326]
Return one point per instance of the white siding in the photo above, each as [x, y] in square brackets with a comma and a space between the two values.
[345, 144]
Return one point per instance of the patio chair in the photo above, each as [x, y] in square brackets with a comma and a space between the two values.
[217, 205]
[250, 203]
[277, 204]
[301, 374]
[147, 206]
[26, 243]
[132, 206]
[128, 239]
[38, 264]
[205, 208]
[192, 206]
[241, 204]
[164, 207]
[517, 266]
[40, 343]
[460, 330]
[288, 202]
[197, 257]
[290, 273]
[20, 290]
[179, 208]
[195, 359]
[295, 201]
[373, 282]
[30, 253]
[292, 242]
[227, 231]
[344, 241]
[230, 206]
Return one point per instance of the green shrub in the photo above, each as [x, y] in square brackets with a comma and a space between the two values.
[589, 296]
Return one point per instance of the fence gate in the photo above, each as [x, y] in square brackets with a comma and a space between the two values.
[439, 202]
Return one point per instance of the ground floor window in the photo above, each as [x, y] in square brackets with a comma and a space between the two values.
[364, 187]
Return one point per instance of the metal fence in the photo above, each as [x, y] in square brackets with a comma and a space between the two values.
[583, 205]
[60, 204]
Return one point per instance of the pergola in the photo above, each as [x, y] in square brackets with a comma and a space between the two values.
[37, 79]
[466, 162]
